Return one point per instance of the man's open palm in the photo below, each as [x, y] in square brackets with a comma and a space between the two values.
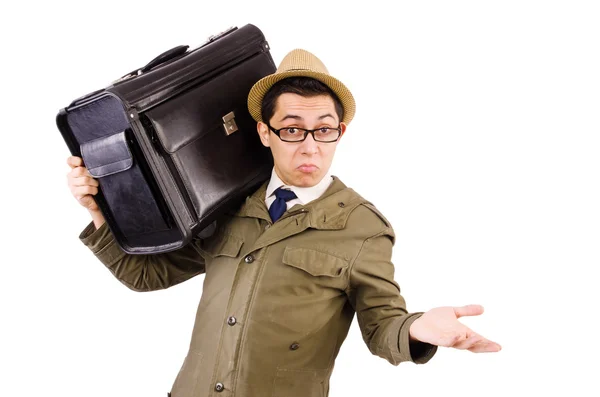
[440, 326]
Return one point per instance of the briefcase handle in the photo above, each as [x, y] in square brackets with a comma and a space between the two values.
[179, 50]
[164, 57]
[157, 61]
[171, 54]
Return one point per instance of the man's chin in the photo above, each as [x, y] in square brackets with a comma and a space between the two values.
[308, 179]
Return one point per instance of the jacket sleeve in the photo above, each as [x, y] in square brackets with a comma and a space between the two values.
[145, 272]
[381, 310]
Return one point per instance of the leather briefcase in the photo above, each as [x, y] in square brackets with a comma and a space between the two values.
[172, 144]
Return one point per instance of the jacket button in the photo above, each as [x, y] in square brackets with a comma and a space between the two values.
[249, 259]
[341, 204]
[219, 387]
[231, 320]
[294, 346]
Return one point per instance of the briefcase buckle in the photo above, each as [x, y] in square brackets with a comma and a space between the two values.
[229, 123]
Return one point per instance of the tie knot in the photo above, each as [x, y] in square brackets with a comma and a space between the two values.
[285, 194]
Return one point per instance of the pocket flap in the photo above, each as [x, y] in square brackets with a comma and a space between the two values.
[107, 155]
[224, 245]
[315, 262]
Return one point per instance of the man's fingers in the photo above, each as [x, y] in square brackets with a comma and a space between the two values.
[485, 346]
[475, 343]
[468, 310]
[79, 171]
[468, 342]
[80, 191]
[84, 181]
[74, 161]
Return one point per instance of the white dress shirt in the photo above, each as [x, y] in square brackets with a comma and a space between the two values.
[304, 194]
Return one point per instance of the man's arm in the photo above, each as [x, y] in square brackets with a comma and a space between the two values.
[138, 272]
[388, 329]
[147, 272]
[380, 308]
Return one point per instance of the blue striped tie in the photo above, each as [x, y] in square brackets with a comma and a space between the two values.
[279, 206]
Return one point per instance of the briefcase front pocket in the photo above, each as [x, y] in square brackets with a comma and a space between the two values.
[109, 159]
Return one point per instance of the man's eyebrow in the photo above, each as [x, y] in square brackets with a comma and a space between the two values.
[295, 117]
[326, 115]
[291, 116]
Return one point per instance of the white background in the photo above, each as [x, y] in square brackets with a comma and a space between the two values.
[476, 134]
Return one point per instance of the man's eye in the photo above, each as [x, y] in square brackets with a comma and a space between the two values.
[323, 130]
[292, 130]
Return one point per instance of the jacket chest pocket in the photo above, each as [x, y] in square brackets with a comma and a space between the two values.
[316, 267]
[221, 245]
[303, 296]
[221, 254]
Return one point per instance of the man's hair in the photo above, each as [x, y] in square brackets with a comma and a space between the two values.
[304, 86]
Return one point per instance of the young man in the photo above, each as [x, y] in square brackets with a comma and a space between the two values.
[286, 272]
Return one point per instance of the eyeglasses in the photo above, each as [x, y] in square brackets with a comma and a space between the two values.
[297, 134]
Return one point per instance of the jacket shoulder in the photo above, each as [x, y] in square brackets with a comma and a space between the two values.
[378, 213]
[369, 218]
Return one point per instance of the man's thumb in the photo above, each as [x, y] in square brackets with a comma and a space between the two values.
[468, 310]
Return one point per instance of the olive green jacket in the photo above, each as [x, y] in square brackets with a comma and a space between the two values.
[278, 298]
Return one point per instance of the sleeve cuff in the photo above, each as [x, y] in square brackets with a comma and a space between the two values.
[101, 242]
[419, 352]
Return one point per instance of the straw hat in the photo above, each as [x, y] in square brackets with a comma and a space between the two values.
[299, 62]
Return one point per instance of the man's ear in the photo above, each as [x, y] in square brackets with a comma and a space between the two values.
[263, 132]
[343, 128]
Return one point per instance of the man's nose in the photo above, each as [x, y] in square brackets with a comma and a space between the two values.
[309, 145]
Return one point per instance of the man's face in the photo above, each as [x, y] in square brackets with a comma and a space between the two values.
[305, 163]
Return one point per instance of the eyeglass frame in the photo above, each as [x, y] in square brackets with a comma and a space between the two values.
[306, 132]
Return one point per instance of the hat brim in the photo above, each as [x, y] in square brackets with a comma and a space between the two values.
[258, 91]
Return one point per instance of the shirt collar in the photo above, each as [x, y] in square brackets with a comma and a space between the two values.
[304, 194]
[329, 212]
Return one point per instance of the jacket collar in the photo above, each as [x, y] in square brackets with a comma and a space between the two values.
[328, 212]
